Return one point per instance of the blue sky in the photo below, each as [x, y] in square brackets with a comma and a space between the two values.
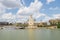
[20, 10]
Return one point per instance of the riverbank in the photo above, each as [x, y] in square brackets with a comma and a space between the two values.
[15, 27]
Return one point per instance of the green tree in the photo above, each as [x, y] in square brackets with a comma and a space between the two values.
[58, 25]
[25, 25]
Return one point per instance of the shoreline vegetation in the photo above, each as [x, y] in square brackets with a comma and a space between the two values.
[53, 24]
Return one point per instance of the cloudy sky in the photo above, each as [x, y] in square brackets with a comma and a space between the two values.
[20, 10]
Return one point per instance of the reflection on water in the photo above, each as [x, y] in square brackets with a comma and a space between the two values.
[30, 34]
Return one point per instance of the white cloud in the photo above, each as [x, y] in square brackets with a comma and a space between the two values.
[8, 16]
[2, 8]
[49, 1]
[21, 20]
[55, 8]
[21, 16]
[38, 15]
[34, 6]
[9, 4]
[12, 3]
[33, 9]
[46, 19]
[56, 16]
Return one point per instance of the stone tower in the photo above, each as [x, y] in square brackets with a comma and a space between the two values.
[31, 22]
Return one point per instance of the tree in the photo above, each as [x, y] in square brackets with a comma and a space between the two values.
[22, 25]
[25, 25]
[53, 22]
[58, 25]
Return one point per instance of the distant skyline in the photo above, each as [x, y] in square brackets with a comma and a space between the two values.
[20, 10]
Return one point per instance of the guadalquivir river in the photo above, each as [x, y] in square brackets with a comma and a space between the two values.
[30, 34]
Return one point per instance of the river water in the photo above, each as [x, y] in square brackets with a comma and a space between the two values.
[30, 34]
